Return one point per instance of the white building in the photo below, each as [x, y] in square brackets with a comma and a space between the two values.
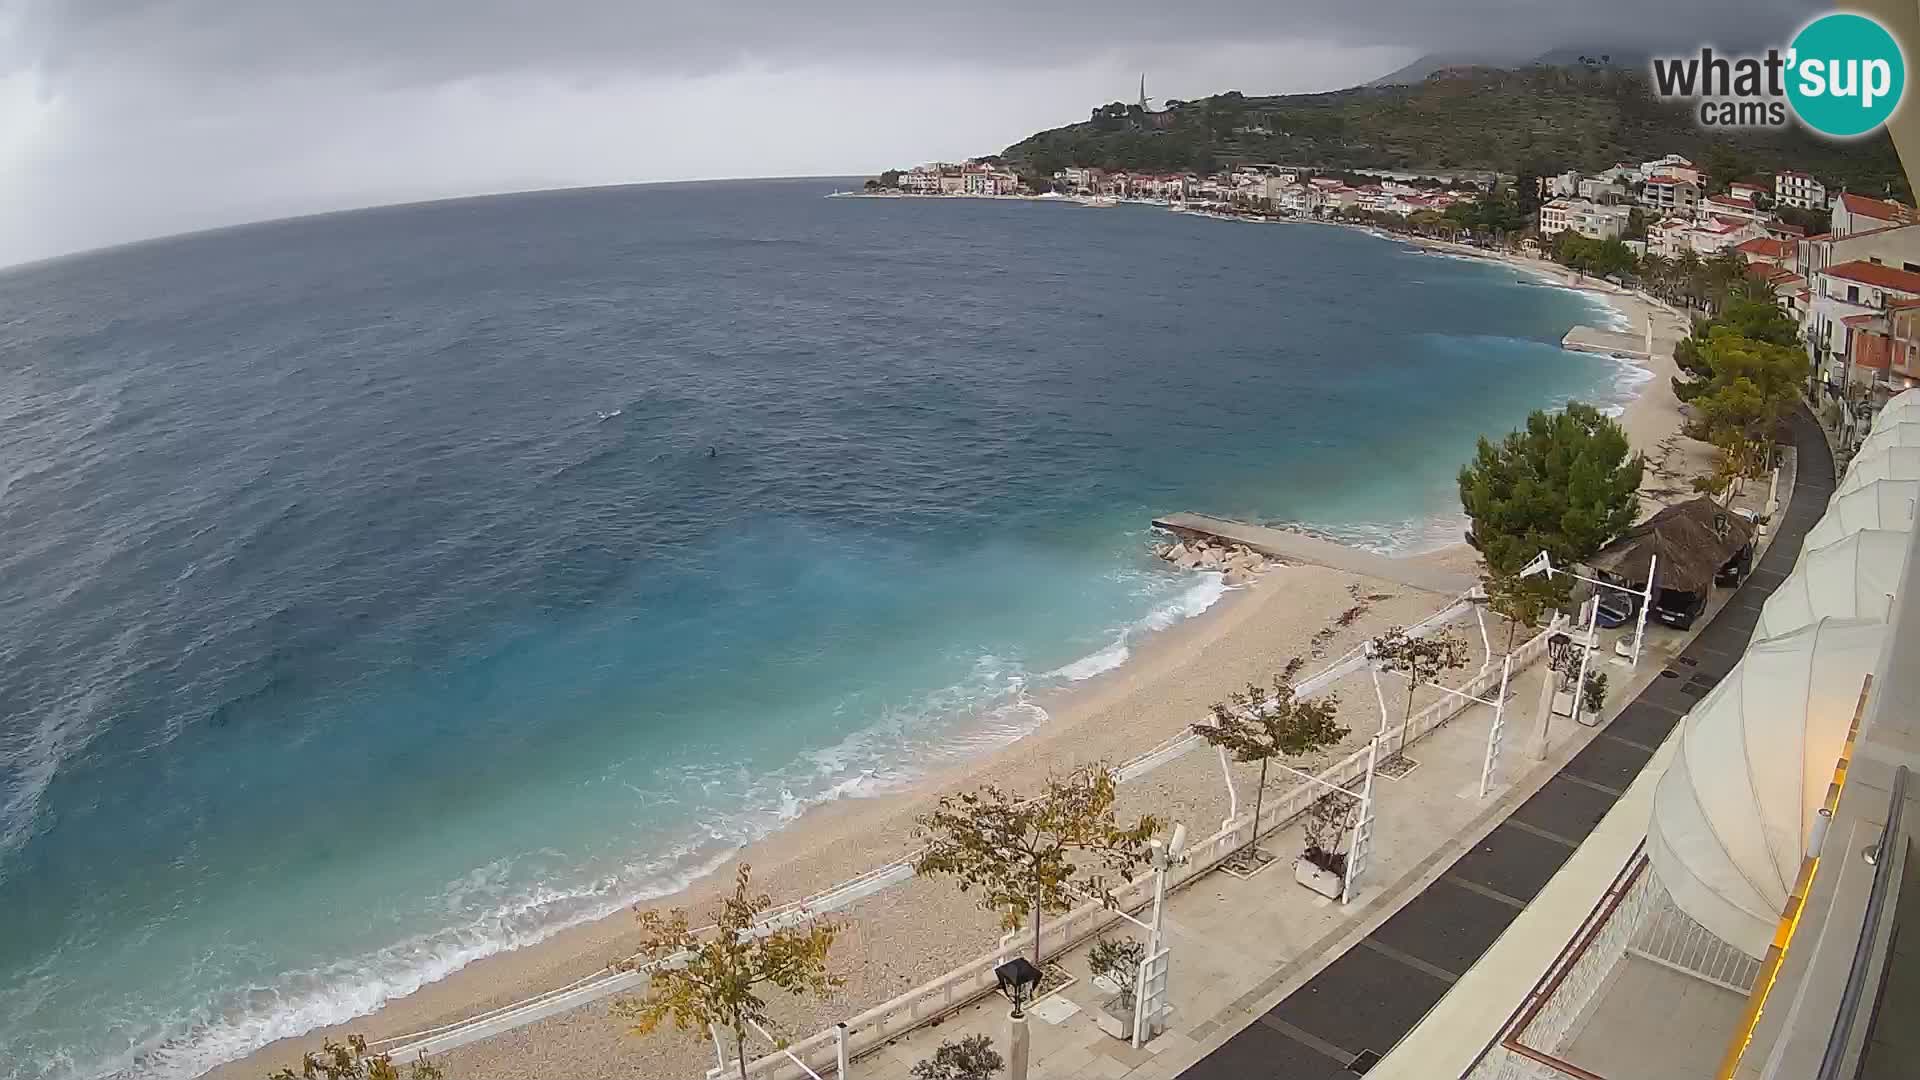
[1666, 193]
[1858, 213]
[1729, 206]
[1582, 216]
[1799, 189]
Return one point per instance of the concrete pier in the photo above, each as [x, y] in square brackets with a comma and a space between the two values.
[1294, 547]
[1594, 339]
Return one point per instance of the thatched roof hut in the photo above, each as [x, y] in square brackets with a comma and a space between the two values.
[1692, 540]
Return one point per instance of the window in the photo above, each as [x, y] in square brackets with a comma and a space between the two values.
[1853, 294]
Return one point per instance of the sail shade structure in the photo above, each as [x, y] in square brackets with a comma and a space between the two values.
[1852, 578]
[1732, 815]
[1882, 504]
[1885, 434]
[1888, 463]
[1901, 408]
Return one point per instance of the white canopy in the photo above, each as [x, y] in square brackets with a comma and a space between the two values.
[1887, 433]
[1889, 463]
[1852, 578]
[1903, 407]
[1881, 504]
[1732, 815]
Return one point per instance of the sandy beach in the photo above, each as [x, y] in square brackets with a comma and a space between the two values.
[908, 934]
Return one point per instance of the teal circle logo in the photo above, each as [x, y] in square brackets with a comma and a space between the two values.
[1846, 74]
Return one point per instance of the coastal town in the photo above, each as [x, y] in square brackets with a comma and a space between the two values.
[1845, 266]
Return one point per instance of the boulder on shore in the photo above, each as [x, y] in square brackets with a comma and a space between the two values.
[1238, 576]
[1210, 559]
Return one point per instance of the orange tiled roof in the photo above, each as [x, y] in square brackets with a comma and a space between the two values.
[1881, 277]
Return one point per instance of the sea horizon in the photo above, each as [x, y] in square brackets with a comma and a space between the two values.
[584, 536]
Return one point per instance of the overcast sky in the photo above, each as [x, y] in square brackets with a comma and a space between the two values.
[123, 119]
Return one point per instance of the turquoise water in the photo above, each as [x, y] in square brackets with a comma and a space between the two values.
[386, 589]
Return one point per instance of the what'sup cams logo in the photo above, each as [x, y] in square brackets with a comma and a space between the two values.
[1843, 76]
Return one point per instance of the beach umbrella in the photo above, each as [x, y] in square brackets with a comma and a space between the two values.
[1733, 814]
[1853, 578]
[1888, 463]
[1902, 433]
[1881, 504]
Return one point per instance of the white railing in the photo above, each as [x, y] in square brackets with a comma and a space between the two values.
[975, 979]
[1670, 938]
[1545, 1023]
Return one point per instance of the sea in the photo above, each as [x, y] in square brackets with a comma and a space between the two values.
[386, 589]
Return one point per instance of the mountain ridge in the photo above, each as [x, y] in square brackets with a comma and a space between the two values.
[1535, 118]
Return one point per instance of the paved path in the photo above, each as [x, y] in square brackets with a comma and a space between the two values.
[1360, 1005]
[1290, 546]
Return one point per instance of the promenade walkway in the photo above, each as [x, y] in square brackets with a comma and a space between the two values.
[1269, 981]
[1354, 1010]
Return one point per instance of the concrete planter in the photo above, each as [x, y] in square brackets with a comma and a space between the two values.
[1115, 1018]
[1325, 882]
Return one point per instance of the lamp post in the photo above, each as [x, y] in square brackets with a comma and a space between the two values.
[1018, 980]
[1559, 646]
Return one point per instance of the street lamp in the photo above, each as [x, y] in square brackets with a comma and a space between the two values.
[1018, 980]
[1541, 564]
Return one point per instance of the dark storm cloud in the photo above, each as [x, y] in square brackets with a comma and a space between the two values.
[123, 119]
[397, 42]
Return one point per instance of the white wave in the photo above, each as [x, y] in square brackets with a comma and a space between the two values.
[1197, 599]
[307, 1000]
[1094, 663]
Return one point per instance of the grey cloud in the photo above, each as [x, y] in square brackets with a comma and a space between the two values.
[397, 43]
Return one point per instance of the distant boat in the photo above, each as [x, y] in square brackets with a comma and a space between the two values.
[1103, 200]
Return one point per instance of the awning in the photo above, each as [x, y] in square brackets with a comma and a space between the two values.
[1692, 541]
[1901, 408]
[1890, 463]
[1881, 504]
[1853, 578]
[1732, 815]
[1885, 435]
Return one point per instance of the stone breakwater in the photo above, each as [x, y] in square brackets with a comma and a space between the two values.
[1238, 562]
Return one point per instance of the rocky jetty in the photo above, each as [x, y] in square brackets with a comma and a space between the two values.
[1240, 564]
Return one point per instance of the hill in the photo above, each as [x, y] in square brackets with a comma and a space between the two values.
[1418, 71]
[1535, 118]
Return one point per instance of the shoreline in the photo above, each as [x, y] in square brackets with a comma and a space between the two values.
[1165, 682]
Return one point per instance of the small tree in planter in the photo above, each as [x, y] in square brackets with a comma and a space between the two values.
[1323, 866]
[1260, 724]
[1019, 852]
[715, 981]
[972, 1058]
[1421, 660]
[1117, 961]
[1595, 697]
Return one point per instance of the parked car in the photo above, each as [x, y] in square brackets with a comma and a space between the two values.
[1616, 611]
[1737, 568]
[1678, 609]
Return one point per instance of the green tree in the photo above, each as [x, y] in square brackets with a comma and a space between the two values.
[1018, 853]
[972, 1058]
[1520, 600]
[351, 1061]
[1565, 484]
[1748, 386]
[1262, 723]
[716, 980]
